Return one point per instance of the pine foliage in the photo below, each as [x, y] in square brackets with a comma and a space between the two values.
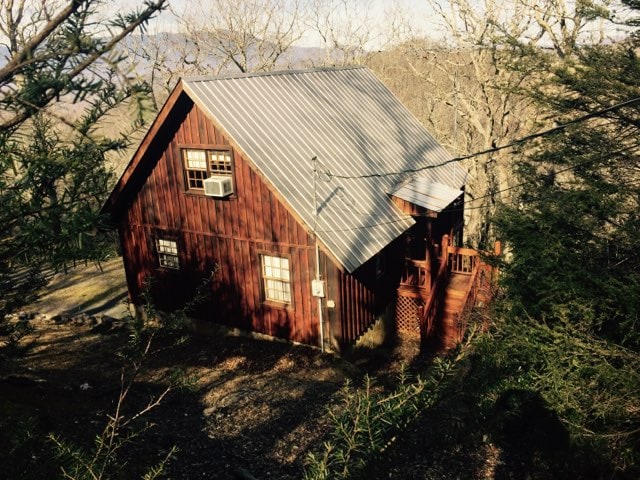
[61, 80]
[574, 229]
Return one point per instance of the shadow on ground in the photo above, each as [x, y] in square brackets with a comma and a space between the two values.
[252, 405]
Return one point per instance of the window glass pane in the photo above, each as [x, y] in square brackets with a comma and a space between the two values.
[197, 157]
[195, 178]
[220, 162]
[194, 164]
[167, 246]
[195, 168]
[276, 278]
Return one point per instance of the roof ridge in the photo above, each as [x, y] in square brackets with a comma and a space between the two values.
[228, 76]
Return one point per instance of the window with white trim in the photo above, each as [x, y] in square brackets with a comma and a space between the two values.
[167, 253]
[276, 278]
[200, 164]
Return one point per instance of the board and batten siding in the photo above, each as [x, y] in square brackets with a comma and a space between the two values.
[229, 235]
[360, 298]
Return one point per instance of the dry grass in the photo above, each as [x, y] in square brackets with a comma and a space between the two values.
[86, 289]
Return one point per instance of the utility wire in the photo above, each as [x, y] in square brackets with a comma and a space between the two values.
[466, 206]
[483, 152]
[557, 172]
[514, 143]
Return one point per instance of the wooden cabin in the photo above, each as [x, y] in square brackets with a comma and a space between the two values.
[312, 200]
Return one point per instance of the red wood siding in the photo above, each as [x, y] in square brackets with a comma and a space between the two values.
[412, 209]
[361, 298]
[230, 233]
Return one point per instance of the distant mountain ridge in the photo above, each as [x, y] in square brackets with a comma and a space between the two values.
[179, 54]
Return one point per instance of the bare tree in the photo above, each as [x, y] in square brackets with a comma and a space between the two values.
[158, 54]
[353, 32]
[243, 36]
[473, 82]
[220, 36]
[56, 38]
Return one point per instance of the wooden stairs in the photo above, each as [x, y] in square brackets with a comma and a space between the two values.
[452, 308]
[462, 281]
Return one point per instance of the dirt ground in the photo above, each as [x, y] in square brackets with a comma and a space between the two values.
[251, 406]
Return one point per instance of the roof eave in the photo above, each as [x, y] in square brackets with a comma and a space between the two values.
[110, 206]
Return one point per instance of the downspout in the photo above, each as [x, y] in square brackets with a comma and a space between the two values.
[320, 319]
[317, 248]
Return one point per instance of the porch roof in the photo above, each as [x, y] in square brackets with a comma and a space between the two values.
[431, 195]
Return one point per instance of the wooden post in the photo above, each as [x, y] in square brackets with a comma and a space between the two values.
[444, 249]
[497, 251]
[427, 266]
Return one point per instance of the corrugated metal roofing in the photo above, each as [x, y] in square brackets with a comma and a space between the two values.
[431, 195]
[352, 124]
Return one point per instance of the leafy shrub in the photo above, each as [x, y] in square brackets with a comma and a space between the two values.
[588, 385]
[369, 419]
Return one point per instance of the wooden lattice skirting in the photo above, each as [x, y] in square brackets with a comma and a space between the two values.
[408, 314]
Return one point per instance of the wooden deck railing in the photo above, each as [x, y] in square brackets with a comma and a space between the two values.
[463, 260]
[456, 260]
[482, 276]
[468, 301]
[415, 274]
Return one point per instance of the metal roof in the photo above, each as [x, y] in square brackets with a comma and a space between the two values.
[430, 195]
[353, 125]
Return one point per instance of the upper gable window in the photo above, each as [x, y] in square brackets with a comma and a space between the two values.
[200, 164]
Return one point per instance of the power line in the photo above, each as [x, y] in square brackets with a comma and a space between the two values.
[512, 144]
[557, 172]
[466, 206]
[515, 142]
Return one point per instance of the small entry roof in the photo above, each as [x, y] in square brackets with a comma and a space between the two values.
[430, 195]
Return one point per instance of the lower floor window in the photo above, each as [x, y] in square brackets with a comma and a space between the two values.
[167, 253]
[276, 278]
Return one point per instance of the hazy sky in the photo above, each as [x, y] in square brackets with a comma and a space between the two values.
[416, 14]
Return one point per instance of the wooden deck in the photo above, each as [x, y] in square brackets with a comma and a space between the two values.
[439, 313]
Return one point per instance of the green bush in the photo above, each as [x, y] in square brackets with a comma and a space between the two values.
[369, 419]
[591, 386]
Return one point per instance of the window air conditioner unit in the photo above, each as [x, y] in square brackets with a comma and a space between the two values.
[218, 186]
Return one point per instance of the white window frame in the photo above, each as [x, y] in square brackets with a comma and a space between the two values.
[167, 250]
[275, 272]
[195, 169]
